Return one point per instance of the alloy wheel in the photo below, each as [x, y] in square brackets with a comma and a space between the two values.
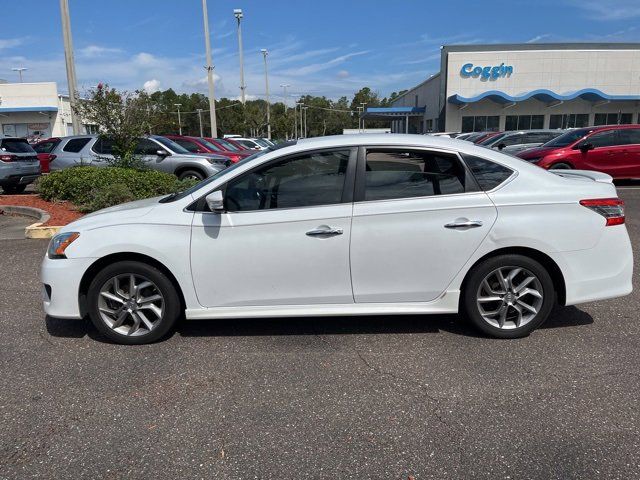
[131, 304]
[509, 297]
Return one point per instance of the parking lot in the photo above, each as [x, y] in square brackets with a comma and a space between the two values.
[370, 397]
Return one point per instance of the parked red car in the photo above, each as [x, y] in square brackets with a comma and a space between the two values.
[44, 148]
[230, 146]
[612, 149]
[201, 145]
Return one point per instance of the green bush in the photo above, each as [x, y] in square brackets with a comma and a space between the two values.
[93, 188]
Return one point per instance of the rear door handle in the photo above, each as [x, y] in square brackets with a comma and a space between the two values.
[325, 231]
[464, 224]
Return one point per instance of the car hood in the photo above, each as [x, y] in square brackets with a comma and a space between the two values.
[536, 152]
[115, 215]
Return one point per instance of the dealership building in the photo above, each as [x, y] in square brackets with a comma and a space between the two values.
[521, 87]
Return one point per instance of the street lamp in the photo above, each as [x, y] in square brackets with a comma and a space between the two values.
[295, 116]
[179, 120]
[364, 106]
[19, 70]
[209, 69]
[266, 82]
[238, 14]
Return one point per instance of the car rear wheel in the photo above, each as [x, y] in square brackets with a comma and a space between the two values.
[133, 303]
[191, 175]
[508, 296]
[13, 189]
[560, 166]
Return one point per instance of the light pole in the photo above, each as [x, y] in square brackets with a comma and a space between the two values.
[19, 70]
[209, 69]
[266, 82]
[301, 114]
[238, 14]
[363, 109]
[179, 120]
[284, 100]
[70, 64]
[200, 121]
[295, 117]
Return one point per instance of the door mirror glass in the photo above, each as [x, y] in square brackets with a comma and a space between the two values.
[215, 201]
[162, 152]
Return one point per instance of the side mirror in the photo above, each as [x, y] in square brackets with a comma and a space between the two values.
[501, 146]
[161, 152]
[585, 147]
[215, 201]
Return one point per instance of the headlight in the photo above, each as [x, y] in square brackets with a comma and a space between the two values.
[59, 244]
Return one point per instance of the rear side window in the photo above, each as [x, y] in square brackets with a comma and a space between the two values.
[75, 144]
[403, 173]
[16, 146]
[487, 173]
[629, 136]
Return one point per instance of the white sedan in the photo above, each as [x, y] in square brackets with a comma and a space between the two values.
[349, 225]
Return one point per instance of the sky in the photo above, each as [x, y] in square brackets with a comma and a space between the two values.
[325, 47]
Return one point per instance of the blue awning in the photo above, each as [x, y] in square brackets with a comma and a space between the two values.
[27, 109]
[388, 112]
[543, 95]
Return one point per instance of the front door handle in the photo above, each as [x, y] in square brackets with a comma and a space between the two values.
[325, 231]
[464, 224]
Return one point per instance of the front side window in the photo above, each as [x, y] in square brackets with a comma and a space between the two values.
[75, 144]
[306, 180]
[401, 173]
[607, 138]
[104, 146]
[45, 147]
[146, 147]
[487, 173]
[187, 144]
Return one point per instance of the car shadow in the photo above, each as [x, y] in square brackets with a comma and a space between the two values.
[560, 317]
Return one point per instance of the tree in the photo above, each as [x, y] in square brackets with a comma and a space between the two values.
[123, 117]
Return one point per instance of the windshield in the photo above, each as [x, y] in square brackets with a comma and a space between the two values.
[171, 145]
[16, 146]
[568, 138]
[228, 145]
[262, 142]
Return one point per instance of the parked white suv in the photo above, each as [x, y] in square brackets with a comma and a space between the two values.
[349, 225]
[159, 153]
[19, 164]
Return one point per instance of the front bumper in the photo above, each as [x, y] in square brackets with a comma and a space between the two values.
[61, 285]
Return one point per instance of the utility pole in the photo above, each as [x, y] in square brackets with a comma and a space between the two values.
[200, 121]
[301, 106]
[284, 101]
[70, 64]
[295, 118]
[209, 68]
[238, 14]
[266, 82]
[19, 70]
[305, 120]
[179, 120]
[364, 105]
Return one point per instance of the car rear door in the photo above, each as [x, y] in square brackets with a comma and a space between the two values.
[630, 139]
[417, 218]
[284, 237]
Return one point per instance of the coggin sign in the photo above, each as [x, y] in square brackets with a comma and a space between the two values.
[488, 73]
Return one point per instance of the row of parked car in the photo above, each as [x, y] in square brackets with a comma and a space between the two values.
[184, 156]
[612, 149]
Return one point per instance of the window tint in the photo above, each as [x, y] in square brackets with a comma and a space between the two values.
[488, 174]
[45, 147]
[396, 173]
[146, 147]
[515, 139]
[104, 146]
[607, 138]
[16, 146]
[629, 136]
[187, 144]
[75, 145]
[315, 178]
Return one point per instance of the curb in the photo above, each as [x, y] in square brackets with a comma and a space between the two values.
[35, 230]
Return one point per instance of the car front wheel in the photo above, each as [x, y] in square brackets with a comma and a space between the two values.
[191, 175]
[508, 296]
[133, 303]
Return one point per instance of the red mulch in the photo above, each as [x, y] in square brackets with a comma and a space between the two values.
[61, 212]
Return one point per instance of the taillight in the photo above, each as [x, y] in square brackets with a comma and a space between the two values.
[8, 158]
[612, 209]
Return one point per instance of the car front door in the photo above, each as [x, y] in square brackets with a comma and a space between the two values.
[604, 155]
[417, 219]
[148, 149]
[283, 238]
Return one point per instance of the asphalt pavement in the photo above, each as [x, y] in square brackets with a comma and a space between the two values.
[339, 398]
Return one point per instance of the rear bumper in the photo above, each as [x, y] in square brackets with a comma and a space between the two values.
[20, 179]
[602, 272]
[61, 285]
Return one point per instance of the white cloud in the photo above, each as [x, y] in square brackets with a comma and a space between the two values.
[151, 86]
[537, 38]
[91, 51]
[609, 9]
[6, 43]
[317, 67]
[342, 74]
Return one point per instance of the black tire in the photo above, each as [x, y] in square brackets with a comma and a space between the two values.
[196, 174]
[171, 301]
[469, 304]
[560, 166]
[14, 189]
